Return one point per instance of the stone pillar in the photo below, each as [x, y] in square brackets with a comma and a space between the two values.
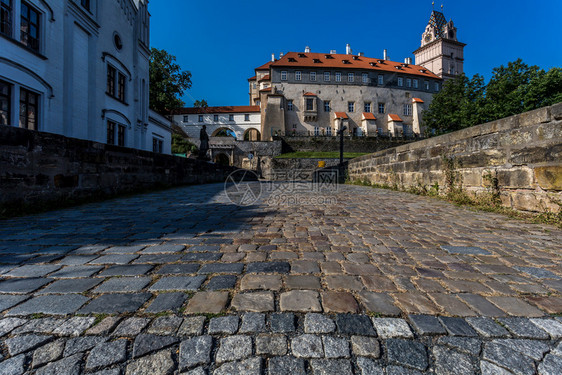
[418, 107]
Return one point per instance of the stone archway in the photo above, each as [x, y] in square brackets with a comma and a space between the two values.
[221, 159]
[252, 135]
[224, 132]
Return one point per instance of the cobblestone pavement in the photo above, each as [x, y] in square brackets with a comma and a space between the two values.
[358, 281]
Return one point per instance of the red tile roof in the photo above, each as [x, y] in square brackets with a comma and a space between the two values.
[417, 100]
[393, 117]
[292, 59]
[265, 78]
[369, 116]
[266, 89]
[212, 110]
[309, 94]
[342, 115]
[252, 78]
[265, 66]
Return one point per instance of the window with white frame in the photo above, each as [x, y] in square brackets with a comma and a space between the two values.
[6, 17]
[436, 86]
[416, 83]
[365, 78]
[338, 77]
[246, 117]
[200, 118]
[231, 118]
[326, 106]
[350, 77]
[283, 75]
[112, 128]
[327, 76]
[313, 76]
[400, 81]
[381, 79]
[329, 131]
[157, 145]
[407, 109]
[309, 104]
[116, 84]
[367, 107]
[351, 106]
[29, 109]
[5, 103]
[289, 105]
[29, 26]
[381, 107]
[316, 130]
[408, 82]
[298, 75]
[426, 85]
[216, 118]
[185, 118]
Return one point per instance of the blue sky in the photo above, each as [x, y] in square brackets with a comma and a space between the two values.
[221, 42]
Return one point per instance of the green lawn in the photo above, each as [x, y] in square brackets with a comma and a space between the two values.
[320, 155]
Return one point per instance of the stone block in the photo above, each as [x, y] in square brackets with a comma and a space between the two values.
[534, 117]
[516, 178]
[549, 178]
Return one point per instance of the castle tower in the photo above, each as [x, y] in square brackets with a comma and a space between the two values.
[440, 50]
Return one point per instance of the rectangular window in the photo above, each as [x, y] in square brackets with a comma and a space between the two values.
[230, 117]
[216, 118]
[121, 135]
[367, 107]
[283, 76]
[400, 81]
[381, 107]
[338, 77]
[121, 87]
[329, 131]
[407, 109]
[416, 83]
[6, 17]
[29, 103]
[309, 104]
[350, 77]
[5, 103]
[350, 106]
[298, 75]
[111, 73]
[157, 145]
[327, 76]
[426, 85]
[29, 27]
[381, 79]
[313, 76]
[246, 117]
[365, 78]
[85, 4]
[316, 131]
[326, 106]
[289, 105]
[436, 86]
[200, 118]
[408, 82]
[185, 118]
[111, 132]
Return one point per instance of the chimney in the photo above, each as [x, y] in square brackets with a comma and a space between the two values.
[385, 55]
[307, 49]
[361, 54]
[280, 55]
[272, 57]
[332, 52]
[410, 60]
[347, 49]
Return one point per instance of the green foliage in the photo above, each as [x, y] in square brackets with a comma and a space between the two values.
[513, 89]
[167, 82]
[180, 145]
[200, 103]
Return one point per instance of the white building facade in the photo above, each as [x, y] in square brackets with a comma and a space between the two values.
[79, 68]
[240, 122]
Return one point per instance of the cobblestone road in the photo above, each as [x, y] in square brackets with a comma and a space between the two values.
[357, 281]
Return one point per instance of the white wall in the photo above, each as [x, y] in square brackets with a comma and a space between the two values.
[239, 126]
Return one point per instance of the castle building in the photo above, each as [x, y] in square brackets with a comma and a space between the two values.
[80, 68]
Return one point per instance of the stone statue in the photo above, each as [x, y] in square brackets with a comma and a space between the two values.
[204, 146]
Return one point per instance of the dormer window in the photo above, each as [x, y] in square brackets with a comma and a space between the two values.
[317, 61]
[380, 61]
[291, 59]
[329, 56]
[373, 63]
[346, 61]
[355, 57]
[302, 55]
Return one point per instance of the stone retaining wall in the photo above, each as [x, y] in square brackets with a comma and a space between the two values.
[524, 153]
[293, 169]
[42, 168]
[328, 144]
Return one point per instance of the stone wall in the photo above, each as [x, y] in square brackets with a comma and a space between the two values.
[328, 144]
[43, 168]
[524, 153]
[293, 169]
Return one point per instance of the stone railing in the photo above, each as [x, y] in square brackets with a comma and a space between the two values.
[521, 156]
[41, 168]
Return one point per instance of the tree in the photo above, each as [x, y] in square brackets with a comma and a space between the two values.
[167, 82]
[544, 89]
[180, 145]
[200, 103]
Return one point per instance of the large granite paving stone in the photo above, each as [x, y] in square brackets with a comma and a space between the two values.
[161, 249]
[178, 269]
[269, 267]
[178, 283]
[145, 344]
[126, 270]
[51, 305]
[7, 301]
[70, 272]
[22, 286]
[355, 325]
[221, 282]
[158, 258]
[201, 257]
[66, 286]
[116, 303]
[465, 250]
[222, 268]
[407, 353]
[115, 259]
[123, 285]
[167, 302]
